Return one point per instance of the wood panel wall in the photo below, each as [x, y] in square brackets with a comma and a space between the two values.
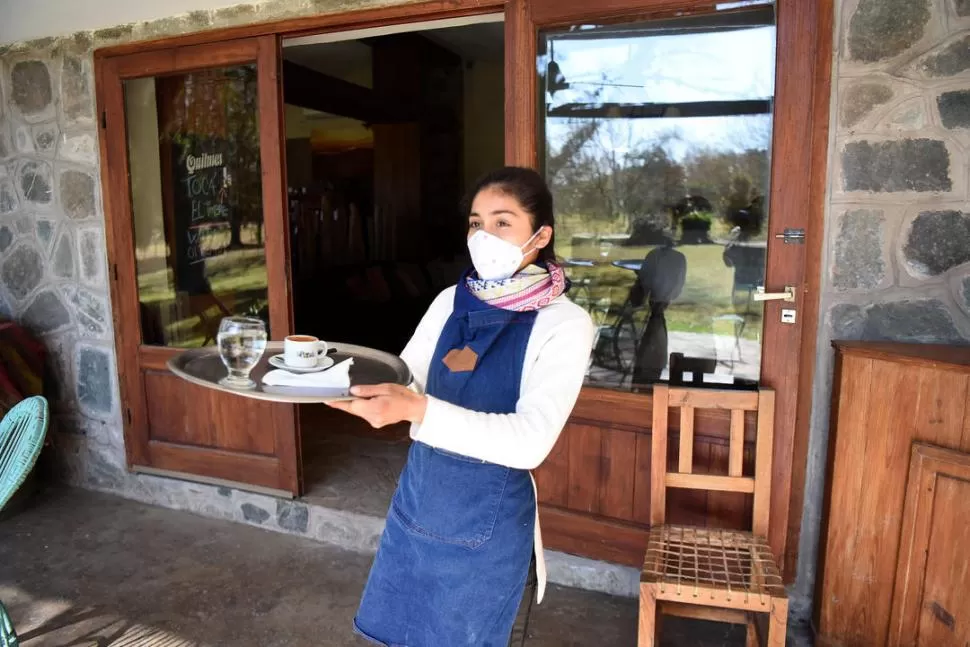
[594, 488]
[885, 396]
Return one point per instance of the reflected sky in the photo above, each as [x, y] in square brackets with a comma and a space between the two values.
[670, 67]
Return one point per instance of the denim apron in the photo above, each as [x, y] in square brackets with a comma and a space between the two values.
[455, 553]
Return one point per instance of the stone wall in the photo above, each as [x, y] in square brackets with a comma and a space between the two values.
[54, 275]
[897, 253]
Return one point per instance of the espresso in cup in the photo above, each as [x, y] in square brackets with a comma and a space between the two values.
[303, 351]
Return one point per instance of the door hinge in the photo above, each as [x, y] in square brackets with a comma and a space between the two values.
[104, 119]
[128, 415]
[792, 236]
[114, 268]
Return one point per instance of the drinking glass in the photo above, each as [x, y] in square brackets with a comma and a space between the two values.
[242, 341]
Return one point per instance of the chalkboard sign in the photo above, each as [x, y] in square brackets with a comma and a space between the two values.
[201, 184]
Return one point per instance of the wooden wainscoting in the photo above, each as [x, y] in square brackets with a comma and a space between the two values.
[594, 488]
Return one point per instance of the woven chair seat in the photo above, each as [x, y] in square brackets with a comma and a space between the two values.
[709, 565]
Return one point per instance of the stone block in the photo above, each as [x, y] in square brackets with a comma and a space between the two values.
[30, 83]
[24, 223]
[859, 262]
[46, 314]
[6, 310]
[949, 59]
[95, 391]
[291, 516]
[76, 89]
[883, 29]
[924, 321]
[45, 138]
[903, 165]
[6, 238]
[22, 271]
[253, 513]
[937, 241]
[955, 109]
[77, 194]
[35, 182]
[45, 233]
[91, 255]
[907, 116]
[79, 147]
[9, 202]
[860, 99]
[63, 259]
[92, 311]
[60, 361]
[961, 7]
[24, 140]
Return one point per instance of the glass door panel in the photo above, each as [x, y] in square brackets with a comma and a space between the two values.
[196, 201]
[655, 138]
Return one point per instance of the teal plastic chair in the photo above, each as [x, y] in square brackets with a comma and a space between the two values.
[22, 433]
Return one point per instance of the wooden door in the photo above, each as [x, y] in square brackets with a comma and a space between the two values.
[192, 170]
[930, 608]
[681, 141]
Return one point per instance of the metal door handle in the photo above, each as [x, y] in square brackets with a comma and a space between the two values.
[787, 295]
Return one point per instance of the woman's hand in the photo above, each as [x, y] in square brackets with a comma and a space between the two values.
[384, 404]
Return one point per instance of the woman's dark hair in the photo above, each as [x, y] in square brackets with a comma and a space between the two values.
[529, 190]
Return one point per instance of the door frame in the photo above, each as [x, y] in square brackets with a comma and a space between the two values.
[815, 17]
[280, 472]
[800, 123]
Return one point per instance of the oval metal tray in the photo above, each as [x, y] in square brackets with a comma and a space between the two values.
[204, 367]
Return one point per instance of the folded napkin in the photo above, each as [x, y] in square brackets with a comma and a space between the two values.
[335, 377]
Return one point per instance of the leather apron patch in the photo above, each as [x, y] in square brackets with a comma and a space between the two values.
[461, 361]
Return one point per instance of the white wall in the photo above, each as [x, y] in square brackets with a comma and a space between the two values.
[29, 19]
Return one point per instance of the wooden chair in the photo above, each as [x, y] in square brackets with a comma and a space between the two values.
[708, 573]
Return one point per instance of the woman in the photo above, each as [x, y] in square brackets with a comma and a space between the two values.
[498, 362]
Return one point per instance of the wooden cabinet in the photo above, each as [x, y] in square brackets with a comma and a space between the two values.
[930, 607]
[885, 397]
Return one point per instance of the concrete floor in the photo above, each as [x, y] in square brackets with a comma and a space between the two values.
[84, 569]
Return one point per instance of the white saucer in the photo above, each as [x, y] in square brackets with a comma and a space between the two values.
[277, 361]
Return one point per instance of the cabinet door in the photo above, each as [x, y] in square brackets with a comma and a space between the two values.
[195, 205]
[930, 605]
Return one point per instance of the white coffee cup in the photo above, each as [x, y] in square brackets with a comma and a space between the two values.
[303, 351]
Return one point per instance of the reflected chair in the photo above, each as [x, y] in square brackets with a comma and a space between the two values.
[709, 573]
[22, 434]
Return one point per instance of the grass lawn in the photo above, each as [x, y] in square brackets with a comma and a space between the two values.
[706, 294]
[236, 272]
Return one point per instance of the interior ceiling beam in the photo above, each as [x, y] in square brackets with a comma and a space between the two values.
[307, 88]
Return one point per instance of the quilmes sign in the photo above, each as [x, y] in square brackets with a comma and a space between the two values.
[195, 163]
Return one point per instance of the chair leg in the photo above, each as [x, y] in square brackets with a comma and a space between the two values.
[778, 623]
[648, 617]
[752, 636]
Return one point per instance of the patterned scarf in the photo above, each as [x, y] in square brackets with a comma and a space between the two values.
[532, 288]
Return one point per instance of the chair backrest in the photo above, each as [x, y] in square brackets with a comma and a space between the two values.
[687, 400]
[22, 433]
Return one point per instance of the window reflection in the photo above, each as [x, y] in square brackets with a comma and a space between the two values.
[657, 150]
[193, 145]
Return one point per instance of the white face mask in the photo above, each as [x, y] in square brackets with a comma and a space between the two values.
[495, 259]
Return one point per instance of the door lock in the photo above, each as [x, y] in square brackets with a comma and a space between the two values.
[788, 295]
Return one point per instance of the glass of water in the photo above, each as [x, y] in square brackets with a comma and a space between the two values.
[242, 341]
